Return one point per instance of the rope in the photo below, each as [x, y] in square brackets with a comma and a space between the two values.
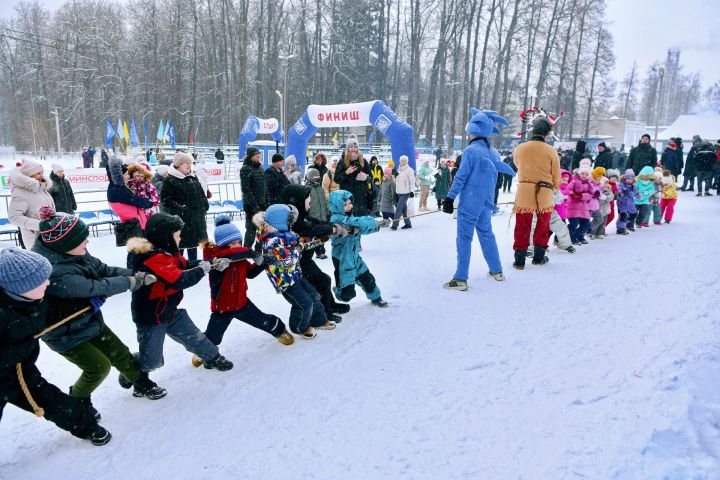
[26, 391]
[61, 322]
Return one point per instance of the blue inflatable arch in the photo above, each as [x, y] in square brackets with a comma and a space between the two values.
[255, 125]
[374, 113]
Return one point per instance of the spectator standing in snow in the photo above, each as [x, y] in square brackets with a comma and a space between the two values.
[85, 158]
[275, 179]
[670, 159]
[30, 191]
[328, 182]
[690, 171]
[254, 192]
[705, 165]
[61, 190]
[644, 155]
[604, 158]
[404, 186]
[442, 183]
[292, 172]
[353, 175]
[578, 154]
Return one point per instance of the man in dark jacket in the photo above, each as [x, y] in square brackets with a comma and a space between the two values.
[61, 191]
[254, 192]
[23, 280]
[579, 154]
[103, 158]
[690, 171]
[219, 155]
[705, 158]
[275, 179]
[644, 155]
[604, 158]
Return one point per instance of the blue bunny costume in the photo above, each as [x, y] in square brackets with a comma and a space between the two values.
[475, 183]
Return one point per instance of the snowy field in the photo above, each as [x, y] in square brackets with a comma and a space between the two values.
[601, 365]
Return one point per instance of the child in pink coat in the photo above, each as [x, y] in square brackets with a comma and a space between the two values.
[581, 191]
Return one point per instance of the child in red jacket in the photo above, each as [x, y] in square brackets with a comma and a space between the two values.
[228, 287]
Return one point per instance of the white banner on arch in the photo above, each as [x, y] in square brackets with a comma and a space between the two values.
[347, 115]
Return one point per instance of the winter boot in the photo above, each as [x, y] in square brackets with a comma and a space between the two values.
[379, 302]
[519, 262]
[497, 276]
[340, 308]
[456, 284]
[218, 362]
[196, 361]
[570, 249]
[99, 436]
[309, 334]
[539, 258]
[144, 387]
[328, 325]
[124, 382]
[286, 338]
[87, 403]
[334, 318]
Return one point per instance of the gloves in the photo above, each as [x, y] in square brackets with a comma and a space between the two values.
[145, 278]
[448, 205]
[596, 194]
[134, 284]
[383, 223]
[206, 267]
[412, 194]
[258, 258]
[220, 264]
[576, 196]
[96, 303]
[341, 230]
[362, 176]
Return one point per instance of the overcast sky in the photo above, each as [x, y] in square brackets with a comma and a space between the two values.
[643, 31]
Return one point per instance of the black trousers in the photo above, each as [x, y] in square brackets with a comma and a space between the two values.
[250, 314]
[320, 280]
[68, 413]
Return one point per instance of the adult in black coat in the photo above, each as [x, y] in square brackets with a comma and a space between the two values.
[219, 155]
[705, 164]
[671, 160]
[103, 158]
[275, 179]
[306, 226]
[604, 158]
[644, 155]
[353, 175]
[183, 195]
[578, 155]
[61, 191]
[254, 192]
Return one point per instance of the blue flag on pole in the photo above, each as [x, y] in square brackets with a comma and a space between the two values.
[109, 133]
[133, 134]
[171, 133]
[120, 131]
[161, 131]
[145, 130]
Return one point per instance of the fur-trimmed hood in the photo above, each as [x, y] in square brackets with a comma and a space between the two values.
[259, 220]
[115, 171]
[139, 245]
[23, 182]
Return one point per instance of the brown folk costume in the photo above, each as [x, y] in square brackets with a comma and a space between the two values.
[538, 176]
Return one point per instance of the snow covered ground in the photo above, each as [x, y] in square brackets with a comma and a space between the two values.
[603, 365]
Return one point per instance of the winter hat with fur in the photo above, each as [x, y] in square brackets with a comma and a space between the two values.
[226, 232]
[612, 173]
[60, 231]
[352, 140]
[598, 173]
[629, 173]
[56, 167]
[278, 216]
[312, 174]
[22, 271]
[30, 167]
[181, 157]
[585, 166]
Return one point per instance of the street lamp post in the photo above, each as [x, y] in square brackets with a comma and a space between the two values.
[283, 97]
[661, 72]
[57, 129]
[282, 114]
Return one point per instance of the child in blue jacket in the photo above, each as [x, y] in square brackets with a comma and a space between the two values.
[350, 269]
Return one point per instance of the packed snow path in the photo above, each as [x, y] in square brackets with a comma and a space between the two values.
[602, 364]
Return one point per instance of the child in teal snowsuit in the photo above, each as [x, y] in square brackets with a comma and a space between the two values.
[350, 269]
[646, 189]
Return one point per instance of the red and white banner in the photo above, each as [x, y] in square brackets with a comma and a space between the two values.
[268, 126]
[348, 115]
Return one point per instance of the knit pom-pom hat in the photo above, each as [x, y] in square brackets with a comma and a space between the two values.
[226, 232]
[60, 231]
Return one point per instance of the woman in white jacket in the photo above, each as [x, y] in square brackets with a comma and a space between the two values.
[30, 191]
[404, 186]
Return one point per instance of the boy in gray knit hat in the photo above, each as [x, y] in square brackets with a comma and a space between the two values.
[23, 280]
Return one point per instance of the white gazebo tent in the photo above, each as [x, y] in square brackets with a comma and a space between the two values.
[706, 124]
